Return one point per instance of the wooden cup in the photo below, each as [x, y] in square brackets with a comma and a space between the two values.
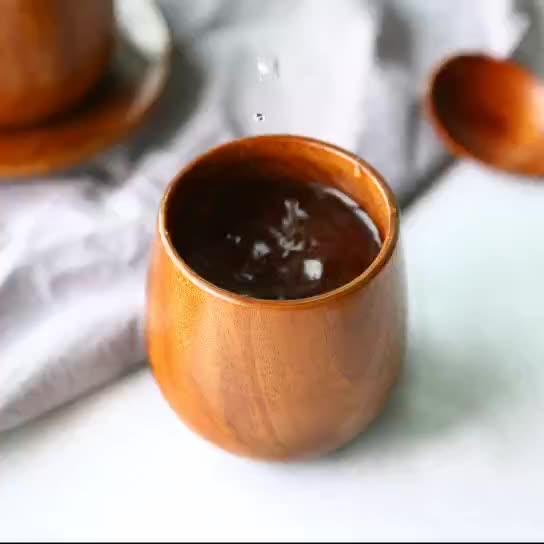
[278, 379]
[53, 53]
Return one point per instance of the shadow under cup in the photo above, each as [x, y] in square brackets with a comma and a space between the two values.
[276, 379]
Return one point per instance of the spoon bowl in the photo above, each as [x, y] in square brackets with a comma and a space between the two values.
[489, 110]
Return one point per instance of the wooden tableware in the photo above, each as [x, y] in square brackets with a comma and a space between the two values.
[53, 53]
[129, 89]
[275, 379]
[489, 110]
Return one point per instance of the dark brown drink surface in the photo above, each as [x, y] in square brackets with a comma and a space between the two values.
[273, 239]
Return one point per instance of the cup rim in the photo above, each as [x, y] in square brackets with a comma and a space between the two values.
[386, 251]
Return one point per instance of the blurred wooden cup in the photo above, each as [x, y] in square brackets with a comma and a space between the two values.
[52, 53]
[278, 379]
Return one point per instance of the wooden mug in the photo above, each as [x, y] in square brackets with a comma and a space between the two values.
[274, 379]
[53, 52]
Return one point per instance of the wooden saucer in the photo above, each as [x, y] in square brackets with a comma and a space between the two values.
[116, 108]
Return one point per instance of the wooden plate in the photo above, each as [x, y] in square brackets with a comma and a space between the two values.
[129, 90]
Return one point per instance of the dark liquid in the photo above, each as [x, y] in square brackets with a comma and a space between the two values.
[273, 239]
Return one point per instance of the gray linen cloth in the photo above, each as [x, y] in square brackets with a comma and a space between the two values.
[74, 247]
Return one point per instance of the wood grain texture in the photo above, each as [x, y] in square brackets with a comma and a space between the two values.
[120, 103]
[489, 110]
[278, 379]
[53, 52]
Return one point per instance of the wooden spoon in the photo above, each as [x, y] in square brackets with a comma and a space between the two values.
[489, 110]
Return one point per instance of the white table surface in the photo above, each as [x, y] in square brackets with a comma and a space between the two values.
[459, 454]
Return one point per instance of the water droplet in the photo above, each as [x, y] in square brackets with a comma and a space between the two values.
[233, 238]
[268, 67]
[246, 276]
[313, 269]
[260, 249]
[259, 117]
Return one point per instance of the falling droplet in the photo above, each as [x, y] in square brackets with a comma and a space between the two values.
[268, 67]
